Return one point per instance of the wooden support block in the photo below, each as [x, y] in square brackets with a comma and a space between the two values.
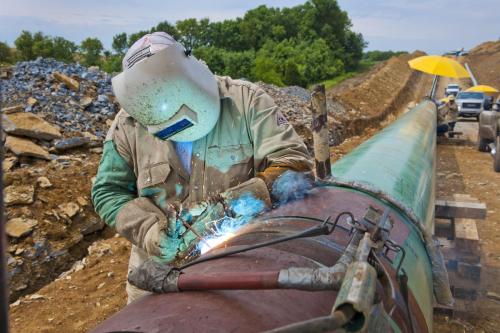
[464, 198]
[464, 293]
[461, 309]
[463, 287]
[447, 209]
[444, 228]
[466, 235]
[453, 253]
[469, 271]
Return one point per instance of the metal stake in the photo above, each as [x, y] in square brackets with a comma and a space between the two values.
[320, 132]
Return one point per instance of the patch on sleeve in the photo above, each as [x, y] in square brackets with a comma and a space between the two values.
[280, 119]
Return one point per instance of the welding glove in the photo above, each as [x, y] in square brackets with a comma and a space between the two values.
[287, 182]
[243, 201]
[290, 186]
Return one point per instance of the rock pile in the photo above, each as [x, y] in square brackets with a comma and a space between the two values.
[49, 109]
[73, 97]
[294, 102]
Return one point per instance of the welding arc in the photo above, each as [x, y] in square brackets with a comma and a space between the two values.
[325, 228]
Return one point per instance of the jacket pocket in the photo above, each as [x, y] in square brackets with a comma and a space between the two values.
[231, 165]
[153, 175]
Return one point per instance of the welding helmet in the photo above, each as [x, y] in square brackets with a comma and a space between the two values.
[167, 90]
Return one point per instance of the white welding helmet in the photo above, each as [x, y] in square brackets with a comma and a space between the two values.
[167, 90]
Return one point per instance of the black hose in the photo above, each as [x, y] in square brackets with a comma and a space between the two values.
[309, 232]
[325, 228]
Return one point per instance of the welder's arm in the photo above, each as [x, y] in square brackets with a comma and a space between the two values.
[114, 195]
[277, 147]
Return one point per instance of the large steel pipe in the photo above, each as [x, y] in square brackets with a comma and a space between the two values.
[393, 173]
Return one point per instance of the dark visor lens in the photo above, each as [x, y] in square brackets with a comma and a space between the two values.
[174, 129]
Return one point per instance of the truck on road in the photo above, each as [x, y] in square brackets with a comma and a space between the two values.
[452, 89]
[470, 104]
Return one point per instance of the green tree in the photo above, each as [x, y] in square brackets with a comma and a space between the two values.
[112, 63]
[5, 53]
[120, 43]
[43, 46]
[170, 29]
[24, 45]
[190, 33]
[91, 50]
[63, 49]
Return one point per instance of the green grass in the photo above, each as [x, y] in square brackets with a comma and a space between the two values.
[364, 66]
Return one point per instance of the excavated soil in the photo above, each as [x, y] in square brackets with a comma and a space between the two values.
[377, 95]
[484, 61]
[57, 240]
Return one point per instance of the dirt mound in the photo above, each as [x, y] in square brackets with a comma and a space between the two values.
[93, 290]
[484, 61]
[385, 90]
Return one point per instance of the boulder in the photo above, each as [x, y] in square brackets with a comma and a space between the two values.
[86, 101]
[27, 124]
[71, 83]
[32, 101]
[19, 226]
[24, 147]
[70, 143]
[9, 163]
[70, 209]
[44, 182]
[19, 194]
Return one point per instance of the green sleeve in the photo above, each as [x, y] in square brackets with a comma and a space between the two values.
[114, 186]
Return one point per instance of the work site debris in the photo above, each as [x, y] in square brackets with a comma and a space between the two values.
[19, 195]
[43, 182]
[29, 125]
[13, 109]
[19, 227]
[70, 209]
[62, 92]
[25, 147]
[9, 163]
[74, 142]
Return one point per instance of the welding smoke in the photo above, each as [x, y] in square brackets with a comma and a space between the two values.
[290, 186]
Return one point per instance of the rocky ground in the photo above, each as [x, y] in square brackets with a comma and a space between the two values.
[88, 283]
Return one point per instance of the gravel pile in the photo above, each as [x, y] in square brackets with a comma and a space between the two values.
[84, 107]
[294, 103]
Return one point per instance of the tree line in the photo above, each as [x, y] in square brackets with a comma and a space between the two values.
[299, 45]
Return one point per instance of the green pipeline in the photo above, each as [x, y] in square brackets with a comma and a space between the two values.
[399, 162]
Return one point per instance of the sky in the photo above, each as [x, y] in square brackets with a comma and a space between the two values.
[433, 26]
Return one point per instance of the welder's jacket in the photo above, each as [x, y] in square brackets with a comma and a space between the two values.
[449, 113]
[140, 174]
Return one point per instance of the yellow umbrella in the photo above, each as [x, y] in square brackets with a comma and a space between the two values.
[484, 88]
[438, 65]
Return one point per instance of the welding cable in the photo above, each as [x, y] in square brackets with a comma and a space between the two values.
[325, 228]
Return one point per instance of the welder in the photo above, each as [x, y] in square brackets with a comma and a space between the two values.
[185, 149]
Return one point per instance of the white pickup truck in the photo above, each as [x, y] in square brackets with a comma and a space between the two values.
[452, 89]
